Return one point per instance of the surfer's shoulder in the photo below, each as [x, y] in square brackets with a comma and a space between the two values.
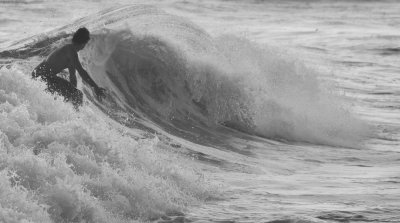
[68, 47]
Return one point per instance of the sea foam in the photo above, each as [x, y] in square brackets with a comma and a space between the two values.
[59, 165]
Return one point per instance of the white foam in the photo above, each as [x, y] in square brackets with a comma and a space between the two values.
[85, 169]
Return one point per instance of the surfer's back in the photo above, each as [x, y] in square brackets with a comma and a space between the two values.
[61, 58]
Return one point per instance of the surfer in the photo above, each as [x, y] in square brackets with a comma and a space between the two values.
[67, 57]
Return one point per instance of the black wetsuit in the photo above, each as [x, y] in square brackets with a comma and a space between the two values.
[58, 85]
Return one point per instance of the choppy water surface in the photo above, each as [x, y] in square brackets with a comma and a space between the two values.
[218, 111]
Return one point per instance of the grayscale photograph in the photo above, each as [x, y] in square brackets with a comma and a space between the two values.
[200, 111]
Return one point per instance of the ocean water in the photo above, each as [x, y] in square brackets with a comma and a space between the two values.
[217, 111]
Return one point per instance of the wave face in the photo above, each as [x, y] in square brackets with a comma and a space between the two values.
[169, 70]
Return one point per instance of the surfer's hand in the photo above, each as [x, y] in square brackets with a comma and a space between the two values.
[100, 92]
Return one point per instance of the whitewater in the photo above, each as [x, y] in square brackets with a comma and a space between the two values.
[216, 111]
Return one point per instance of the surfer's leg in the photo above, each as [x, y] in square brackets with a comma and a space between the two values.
[77, 98]
[42, 70]
[66, 89]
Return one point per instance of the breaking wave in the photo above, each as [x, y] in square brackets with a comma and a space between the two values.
[171, 71]
[164, 68]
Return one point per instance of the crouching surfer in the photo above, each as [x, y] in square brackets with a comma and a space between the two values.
[67, 57]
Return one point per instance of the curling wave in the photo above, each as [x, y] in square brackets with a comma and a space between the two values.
[165, 68]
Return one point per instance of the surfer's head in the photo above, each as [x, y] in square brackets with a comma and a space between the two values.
[81, 37]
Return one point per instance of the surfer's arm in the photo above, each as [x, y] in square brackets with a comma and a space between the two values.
[85, 76]
[72, 76]
[100, 92]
